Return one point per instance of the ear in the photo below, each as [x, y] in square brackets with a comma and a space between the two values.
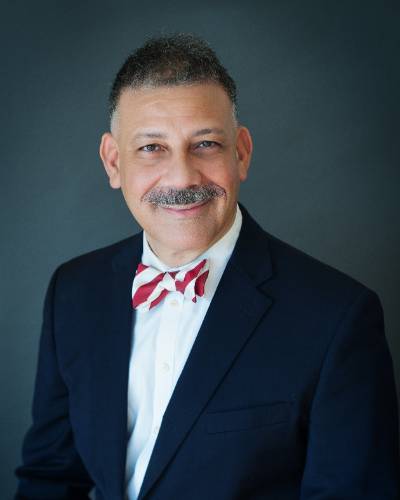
[244, 148]
[110, 155]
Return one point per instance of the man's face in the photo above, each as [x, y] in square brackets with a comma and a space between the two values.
[177, 138]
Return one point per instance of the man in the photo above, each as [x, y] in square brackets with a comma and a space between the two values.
[204, 358]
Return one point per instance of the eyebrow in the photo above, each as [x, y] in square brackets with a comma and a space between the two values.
[149, 135]
[205, 131]
[159, 135]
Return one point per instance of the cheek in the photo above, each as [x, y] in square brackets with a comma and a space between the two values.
[136, 181]
[226, 176]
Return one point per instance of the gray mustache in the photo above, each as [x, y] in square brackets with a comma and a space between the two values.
[172, 196]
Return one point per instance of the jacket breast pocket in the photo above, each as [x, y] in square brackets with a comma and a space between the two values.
[248, 418]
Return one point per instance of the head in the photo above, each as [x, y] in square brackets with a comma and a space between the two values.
[175, 147]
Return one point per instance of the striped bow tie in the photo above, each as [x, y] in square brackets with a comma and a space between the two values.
[150, 285]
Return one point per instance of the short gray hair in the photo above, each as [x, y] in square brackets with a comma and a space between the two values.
[179, 59]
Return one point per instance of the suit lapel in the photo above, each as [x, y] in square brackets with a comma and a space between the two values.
[112, 369]
[235, 311]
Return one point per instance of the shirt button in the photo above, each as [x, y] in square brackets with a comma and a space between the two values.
[165, 367]
[174, 303]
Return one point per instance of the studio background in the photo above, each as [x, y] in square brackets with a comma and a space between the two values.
[318, 87]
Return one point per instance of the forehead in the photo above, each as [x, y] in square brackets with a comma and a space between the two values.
[206, 104]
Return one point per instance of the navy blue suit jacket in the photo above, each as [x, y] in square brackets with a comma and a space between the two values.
[288, 392]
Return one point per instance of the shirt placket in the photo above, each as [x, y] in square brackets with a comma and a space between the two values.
[165, 356]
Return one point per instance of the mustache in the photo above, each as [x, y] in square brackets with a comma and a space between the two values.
[186, 196]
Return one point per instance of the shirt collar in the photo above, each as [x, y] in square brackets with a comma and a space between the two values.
[218, 254]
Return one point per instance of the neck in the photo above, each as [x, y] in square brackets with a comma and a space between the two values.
[177, 257]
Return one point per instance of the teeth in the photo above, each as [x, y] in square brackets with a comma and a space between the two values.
[184, 207]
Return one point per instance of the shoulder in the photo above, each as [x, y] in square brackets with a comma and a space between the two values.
[306, 279]
[313, 301]
[312, 278]
[290, 261]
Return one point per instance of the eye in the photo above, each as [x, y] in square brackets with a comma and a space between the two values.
[207, 144]
[150, 148]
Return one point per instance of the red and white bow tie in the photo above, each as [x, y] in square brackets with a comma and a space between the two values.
[150, 285]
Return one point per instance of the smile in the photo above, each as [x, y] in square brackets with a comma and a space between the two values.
[185, 210]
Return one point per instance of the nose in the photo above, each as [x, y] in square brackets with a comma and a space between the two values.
[182, 172]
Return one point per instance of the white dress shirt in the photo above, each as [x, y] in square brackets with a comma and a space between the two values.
[162, 340]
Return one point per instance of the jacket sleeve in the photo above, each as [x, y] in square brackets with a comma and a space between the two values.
[52, 468]
[353, 431]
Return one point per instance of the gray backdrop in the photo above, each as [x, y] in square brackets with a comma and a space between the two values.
[318, 87]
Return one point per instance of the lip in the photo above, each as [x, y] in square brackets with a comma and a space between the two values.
[186, 210]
